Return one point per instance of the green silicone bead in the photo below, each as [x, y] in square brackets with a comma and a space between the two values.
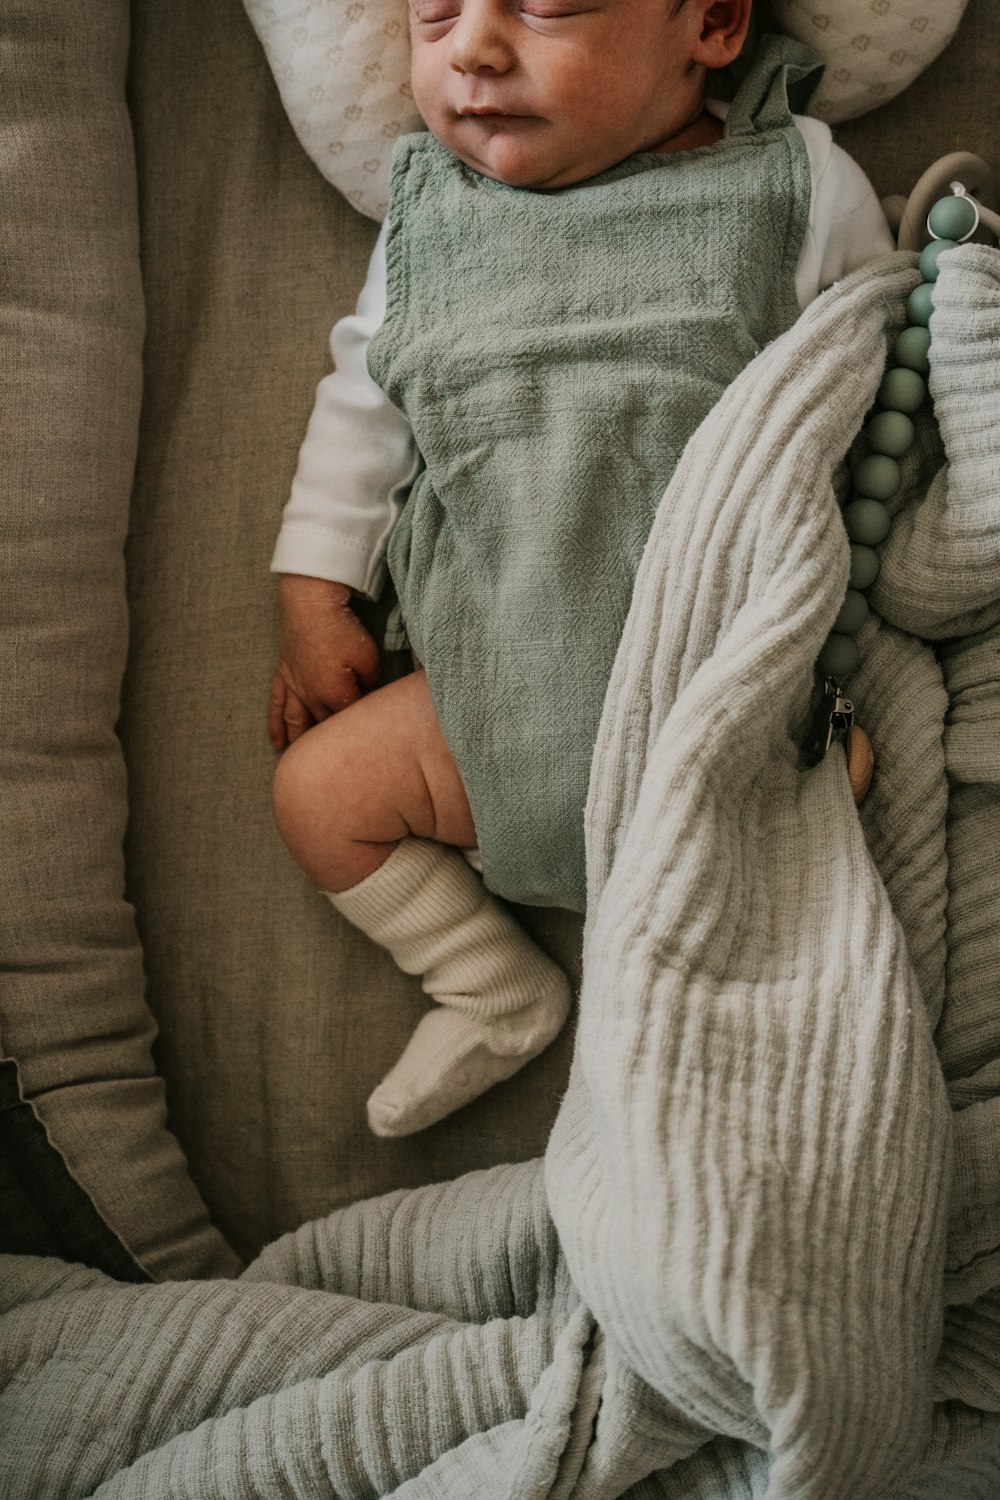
[929, 257]
[891, 433]
[877, 477]
[951, 218]
[911, 349]
[839, 657]
[867, 521]
[919, 305]
[864, 566]
[853, 613]
[901, 389]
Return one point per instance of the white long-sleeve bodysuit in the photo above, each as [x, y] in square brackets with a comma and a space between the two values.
[359, 458]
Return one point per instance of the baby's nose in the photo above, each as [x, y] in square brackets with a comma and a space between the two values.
[479, 39]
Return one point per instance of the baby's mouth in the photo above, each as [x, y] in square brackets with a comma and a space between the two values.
[498, 117]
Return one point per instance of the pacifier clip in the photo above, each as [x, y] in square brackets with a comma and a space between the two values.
[890, 434]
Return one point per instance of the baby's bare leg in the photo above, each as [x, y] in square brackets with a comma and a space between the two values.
[352, 787]
[366, 801]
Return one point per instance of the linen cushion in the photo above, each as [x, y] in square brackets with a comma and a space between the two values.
[277, 1018]
[87, 1164]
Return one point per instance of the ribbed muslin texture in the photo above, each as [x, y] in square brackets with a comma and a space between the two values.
[762, 1255]
[751, 1171]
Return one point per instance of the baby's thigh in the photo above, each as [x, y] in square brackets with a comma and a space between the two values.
[383, 764]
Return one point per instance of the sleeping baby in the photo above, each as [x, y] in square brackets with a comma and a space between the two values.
[580, 254]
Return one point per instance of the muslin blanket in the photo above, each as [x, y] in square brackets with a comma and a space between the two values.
[762, 1253]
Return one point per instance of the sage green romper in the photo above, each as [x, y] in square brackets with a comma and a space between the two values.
[553, 351]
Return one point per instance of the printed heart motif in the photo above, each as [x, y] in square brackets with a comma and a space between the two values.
[391, 29]
[390, 129]
[354, 12]
[373, 71]
[919, 23]
[335, 148]
[821, 22]
[287, 74]
[406, 91]
[300, 36]
[898, 58]
[317, 94]
[861, 42]
[841, 75]
[334, 54]
[352, 113]
[879, 7]
[302, 127]
[370, 167]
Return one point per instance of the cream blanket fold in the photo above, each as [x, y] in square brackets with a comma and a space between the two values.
[762, 1255]
[750, 1174]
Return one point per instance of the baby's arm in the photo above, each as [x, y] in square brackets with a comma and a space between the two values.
[355, 467]
[847, 227]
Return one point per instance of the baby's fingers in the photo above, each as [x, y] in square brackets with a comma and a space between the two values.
[365, 660]
[296, 716]
[276, 712]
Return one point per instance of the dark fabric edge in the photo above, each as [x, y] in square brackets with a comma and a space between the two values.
[48, 1212]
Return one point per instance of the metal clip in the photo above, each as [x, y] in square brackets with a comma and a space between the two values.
[841, 716]
[833, 720]
[984, 215]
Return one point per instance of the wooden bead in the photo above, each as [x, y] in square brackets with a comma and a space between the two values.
[860, 762]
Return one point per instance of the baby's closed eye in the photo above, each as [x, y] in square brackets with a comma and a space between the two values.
[429, 12]
[434, 12]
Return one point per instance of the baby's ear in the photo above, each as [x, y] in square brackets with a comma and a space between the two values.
[724, 26]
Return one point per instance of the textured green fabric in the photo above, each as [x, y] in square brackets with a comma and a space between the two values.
[765, 1254]
[553, 352]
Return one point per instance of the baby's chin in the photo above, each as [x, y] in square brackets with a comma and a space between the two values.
[515, 156]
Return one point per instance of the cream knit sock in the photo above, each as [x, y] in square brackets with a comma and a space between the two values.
[500, 1000]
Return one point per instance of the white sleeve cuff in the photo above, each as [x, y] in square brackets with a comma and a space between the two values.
[356, 463]
[317, 552]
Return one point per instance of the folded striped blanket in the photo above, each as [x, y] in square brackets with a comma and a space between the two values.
[762, 1253]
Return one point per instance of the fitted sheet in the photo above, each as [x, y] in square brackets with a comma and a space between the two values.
[275, 1018]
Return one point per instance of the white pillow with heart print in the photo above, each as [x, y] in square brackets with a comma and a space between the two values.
[343, 67]
[872, 48]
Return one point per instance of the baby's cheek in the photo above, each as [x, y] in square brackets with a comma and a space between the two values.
[425, 82]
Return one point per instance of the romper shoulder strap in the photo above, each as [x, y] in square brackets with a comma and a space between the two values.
[780, 82]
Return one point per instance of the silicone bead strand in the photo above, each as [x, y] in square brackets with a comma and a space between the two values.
[890, 433]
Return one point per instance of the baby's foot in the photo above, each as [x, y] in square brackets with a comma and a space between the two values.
[452, 1058]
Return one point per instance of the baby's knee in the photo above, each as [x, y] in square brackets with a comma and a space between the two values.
[304, 796]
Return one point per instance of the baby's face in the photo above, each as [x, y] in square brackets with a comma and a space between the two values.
[541, 93]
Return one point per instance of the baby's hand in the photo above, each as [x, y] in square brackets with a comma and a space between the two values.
[327, 657]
